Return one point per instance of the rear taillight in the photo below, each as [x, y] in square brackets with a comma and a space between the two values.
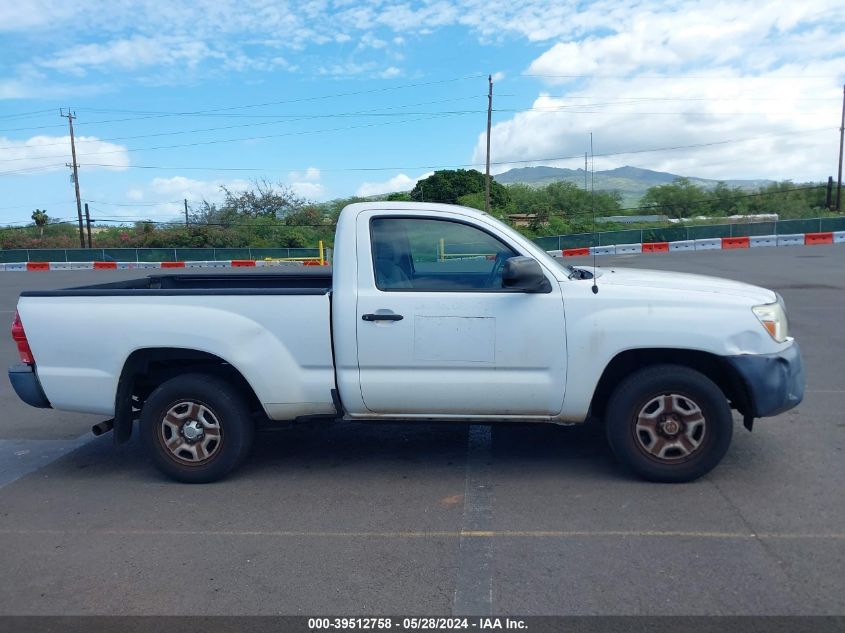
[19, 337]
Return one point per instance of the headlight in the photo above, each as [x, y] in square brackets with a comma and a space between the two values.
[773, 318]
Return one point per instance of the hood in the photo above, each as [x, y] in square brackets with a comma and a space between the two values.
[663, 280]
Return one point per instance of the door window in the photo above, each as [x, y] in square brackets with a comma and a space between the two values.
[436, 255]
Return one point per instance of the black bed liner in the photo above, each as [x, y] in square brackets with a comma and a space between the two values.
[303, 282]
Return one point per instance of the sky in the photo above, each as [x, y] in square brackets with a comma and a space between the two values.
[340, 98]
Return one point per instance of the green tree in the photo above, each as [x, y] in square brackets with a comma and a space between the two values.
[448, 185]
[726, 200]
[41, 220]
[679, 199]
[788, 200]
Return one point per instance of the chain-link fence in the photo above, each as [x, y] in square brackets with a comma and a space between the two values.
[677, 233]
[151, 254]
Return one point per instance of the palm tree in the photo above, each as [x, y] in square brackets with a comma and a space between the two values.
[41, 219]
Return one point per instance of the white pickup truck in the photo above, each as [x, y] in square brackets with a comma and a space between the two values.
[432, 312]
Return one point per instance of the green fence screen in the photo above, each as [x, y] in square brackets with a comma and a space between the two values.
[679, 233]
[151, 254]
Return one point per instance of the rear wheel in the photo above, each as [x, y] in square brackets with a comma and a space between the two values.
[669, 423]
[196, 427]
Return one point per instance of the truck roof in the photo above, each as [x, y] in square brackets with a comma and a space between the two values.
[387, 205]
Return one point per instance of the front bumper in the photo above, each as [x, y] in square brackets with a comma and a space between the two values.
[774, 382]
[26, 384]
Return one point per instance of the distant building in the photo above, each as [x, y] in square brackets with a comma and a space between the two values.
[733, 219]
[522, 219]
[631, 219]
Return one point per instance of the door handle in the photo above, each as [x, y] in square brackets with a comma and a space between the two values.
[382, 317]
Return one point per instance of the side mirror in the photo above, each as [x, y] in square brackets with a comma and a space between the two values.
[525, 274]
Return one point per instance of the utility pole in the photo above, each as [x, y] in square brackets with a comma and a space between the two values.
[186, 212]
[841, 139]
[489, 119]
[88, 224]
[70, 117]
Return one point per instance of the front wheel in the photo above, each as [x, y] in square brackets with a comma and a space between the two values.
[669, 423]
[196, 427]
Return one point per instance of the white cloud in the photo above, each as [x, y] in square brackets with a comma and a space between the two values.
[688, 74]
[352, 69]
[247, 34]
[179, 187]
[694, 32]
[312, 174]
[306, 184]
[400, 182]
[368, 40]
[50, 153]
[170, 191]
[784, 128]
[297, 24]
[309, 190]
[132, 53]
[162, 198]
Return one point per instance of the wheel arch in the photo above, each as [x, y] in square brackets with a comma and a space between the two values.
[147, 368]
[716, 368]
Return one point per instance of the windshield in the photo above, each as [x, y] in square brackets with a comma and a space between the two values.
[536, 249]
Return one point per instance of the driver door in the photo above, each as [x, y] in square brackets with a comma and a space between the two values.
[437, 333]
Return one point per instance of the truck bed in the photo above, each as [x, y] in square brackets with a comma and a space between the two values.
[306, 281]
[273, 328]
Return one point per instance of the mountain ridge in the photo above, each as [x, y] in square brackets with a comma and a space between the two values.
[631, 182]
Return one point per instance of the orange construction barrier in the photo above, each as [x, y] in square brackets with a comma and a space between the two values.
[812, 239]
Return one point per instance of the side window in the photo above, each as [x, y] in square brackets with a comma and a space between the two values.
[435, 255]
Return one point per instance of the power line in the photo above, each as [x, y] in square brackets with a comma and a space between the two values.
[620, 101]
[441, 166]
[23, 115]
[568, 109]
[33, 206]
[287, 119]
[564, 215]
[571, 109]
[236, 115]
[721, 77]
[417, 167]
[38, 168]
[247, 138]
[673, 98]
[136, 204]
[179, 222]
[613, 102]
[308, 99]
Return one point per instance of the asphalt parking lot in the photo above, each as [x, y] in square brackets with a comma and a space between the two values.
[440, 519]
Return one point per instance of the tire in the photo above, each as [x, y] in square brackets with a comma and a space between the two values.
[669, 423]
[196, 428]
